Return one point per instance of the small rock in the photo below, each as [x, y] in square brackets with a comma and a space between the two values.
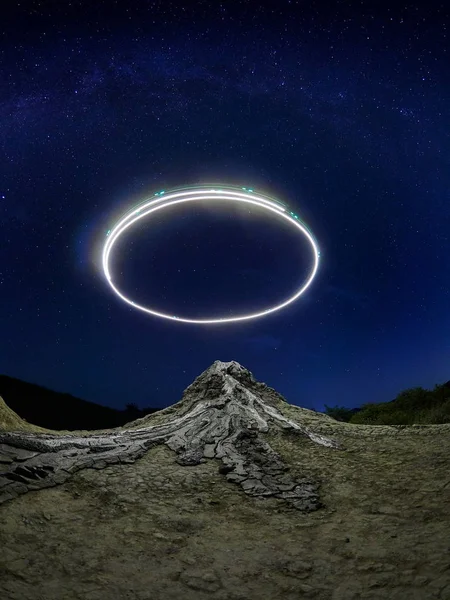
[209, 450]
[224, 469]
[206, 581]
[295, 568]
[129, 531]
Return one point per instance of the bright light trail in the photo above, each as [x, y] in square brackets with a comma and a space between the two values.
[163, 200]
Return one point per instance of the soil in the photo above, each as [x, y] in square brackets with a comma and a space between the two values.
[157, 530]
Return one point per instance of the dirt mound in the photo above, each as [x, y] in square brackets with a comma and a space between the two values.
[10, 421]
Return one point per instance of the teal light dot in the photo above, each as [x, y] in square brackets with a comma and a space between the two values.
[250, 190]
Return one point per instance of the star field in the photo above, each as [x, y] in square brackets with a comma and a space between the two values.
[342, 113]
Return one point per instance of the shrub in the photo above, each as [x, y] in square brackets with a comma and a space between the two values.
[414, 405]
[340, 413]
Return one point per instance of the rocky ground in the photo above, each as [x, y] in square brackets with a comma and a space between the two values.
[159, 530]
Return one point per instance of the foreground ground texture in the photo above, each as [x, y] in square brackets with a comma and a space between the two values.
[372, 522]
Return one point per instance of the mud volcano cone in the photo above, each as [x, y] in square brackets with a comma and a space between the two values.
[223, 415]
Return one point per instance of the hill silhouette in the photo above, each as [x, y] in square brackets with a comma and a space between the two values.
[56, 410]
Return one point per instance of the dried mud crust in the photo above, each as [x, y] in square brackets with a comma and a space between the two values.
[222, 415]
[157, 530]
[169, 522]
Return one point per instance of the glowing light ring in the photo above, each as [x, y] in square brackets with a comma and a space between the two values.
[163, 200]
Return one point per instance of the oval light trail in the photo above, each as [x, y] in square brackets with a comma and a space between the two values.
[163, 200]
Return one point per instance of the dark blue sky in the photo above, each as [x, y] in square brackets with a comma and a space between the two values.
[342, 113]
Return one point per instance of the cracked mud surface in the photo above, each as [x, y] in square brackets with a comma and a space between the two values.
[156, 529]
[222, 415]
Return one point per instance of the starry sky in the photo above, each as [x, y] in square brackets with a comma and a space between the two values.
[342, 113]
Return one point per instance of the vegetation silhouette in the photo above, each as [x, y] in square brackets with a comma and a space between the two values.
[414, 406]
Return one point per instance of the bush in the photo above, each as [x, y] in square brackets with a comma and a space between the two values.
[412, 406]
[436, 414]
[340, 413]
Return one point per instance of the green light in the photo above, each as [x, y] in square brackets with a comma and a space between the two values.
[250, 190]
[244, 188]
[161, 193]
[108, 232]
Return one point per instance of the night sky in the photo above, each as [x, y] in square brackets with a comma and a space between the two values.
[342, 113]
